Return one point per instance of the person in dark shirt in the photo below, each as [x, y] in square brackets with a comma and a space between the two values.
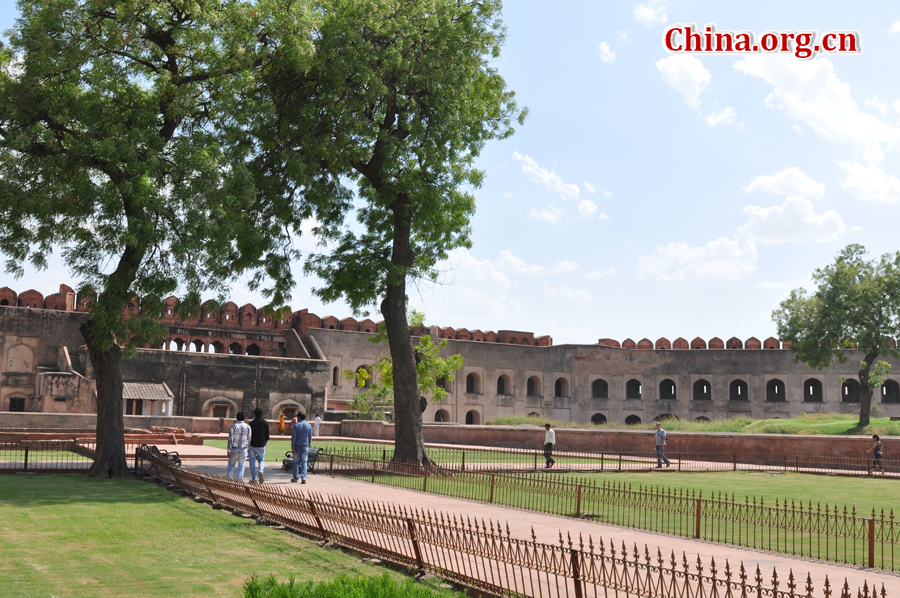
[259, 436]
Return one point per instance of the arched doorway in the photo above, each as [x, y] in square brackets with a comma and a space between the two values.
[738, 391]
[632, 420]
[633, 389]
[598, 419]
[775, 391]
[812, 391]
[441, 415]
[599, 389]
[473, 418]
[667, 390]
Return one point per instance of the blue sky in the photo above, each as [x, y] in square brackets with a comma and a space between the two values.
[652, 195]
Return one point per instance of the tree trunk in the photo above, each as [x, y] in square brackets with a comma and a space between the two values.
[109, 461]
[409, 440]
[865, 390]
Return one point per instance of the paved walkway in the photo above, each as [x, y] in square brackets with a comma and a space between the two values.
[547, 528]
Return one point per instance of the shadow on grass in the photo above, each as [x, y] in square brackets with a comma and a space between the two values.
[59, 489]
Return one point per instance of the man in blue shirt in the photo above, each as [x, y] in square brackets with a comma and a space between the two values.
[301, 436]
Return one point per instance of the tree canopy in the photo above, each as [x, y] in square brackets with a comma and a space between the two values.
[855, 307]
[397, 106]
[124, 142]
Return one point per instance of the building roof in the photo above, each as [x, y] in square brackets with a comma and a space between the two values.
[147, 392]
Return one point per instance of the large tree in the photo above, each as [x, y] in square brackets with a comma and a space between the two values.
[124, 142]
[398, 104]
[854, 310]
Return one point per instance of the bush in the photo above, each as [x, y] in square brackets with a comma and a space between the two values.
[343, 586]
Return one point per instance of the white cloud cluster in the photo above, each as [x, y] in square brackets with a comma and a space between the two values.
[549, 179]
[552, 214]
[567, 293]
[599, 274]
[606, 54]
[869, 183]
[554, 183]
[652, 13]
[878, 104]
[687, 75]
[790, 181]
[724, 258]
[510, 262]
[792, 222]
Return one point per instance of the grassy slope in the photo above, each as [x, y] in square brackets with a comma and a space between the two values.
[63, 535]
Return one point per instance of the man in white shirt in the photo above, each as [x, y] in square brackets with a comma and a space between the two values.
[549, 441]
[238, 443]
[661, 446]
[316, 425]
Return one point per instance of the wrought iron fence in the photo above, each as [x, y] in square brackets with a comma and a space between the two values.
[829, 532]
[42, 456]
[482, 556]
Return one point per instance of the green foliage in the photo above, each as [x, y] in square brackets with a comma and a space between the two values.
[343, 586]
[378, 394]
[856, 305]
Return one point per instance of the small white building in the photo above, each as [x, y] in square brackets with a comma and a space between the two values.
[147, 399]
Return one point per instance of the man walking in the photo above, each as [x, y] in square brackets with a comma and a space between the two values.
[301, 436]
[238, 443]
[661, 446]
[259, 436]
[549, 441]
[316, 424]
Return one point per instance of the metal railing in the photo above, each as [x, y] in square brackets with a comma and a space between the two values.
[42, 456]
[483, 556]
[823, 532]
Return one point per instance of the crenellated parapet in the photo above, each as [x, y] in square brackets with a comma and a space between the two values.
[680, 343]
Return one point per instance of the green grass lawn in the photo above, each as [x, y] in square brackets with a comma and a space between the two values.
[69, 536]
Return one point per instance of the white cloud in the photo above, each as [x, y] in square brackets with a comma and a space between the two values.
[553, 215]
[686, 75]
[724, 258]
[588, 187]
[878, 104]
[790, 181]
[476, 286]
[869, 183]
[896, 106]
[895, 28]
[587, 208]
[564, 267]
[603, 217]
[567, 293]
[774, 286]
[598, 274]
[606, 54]
[810, 92]
[651, 14]
[622, 34]
[792, 222]
[724, 116]
[515, 264]
[549, 179]
[607, 193]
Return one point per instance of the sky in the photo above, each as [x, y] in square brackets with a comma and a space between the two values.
[652, 194]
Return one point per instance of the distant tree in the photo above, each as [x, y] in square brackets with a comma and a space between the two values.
[123, 141]
[398, 104]
[378, 394]
[856, 307]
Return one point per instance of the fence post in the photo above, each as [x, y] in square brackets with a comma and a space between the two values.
[576, 577]
[535, 459]
[331, 466]
[250, 494]
[412, 536]
[491, 499]
[679, 463]
[578, 502]
[601, 461]
[872, 542]
[620, 461]
[734, 462]
[697, 520]
[26, 459]
[312, 509]
[464, 460]
[425, 479]
[373, 471]
[384, 454]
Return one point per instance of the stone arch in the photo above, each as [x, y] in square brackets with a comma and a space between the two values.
[645, 344]
[734, 343]
[524, 342]
[513, 341]
[702, 418]
[775, 391]
[504, 385]
[698, 343]
[663, 343]
[441, 415]
[752, 343]
[473, 384]
[890, 392]
[218, 347]
[668, 390]
[235, 349]
[812, 391]
[534, 414]
[533, 387]
[561, 388]
[16, 403]
[738, 391]
[680, 343]
[368, 381]
[253, 349]
[20, 358]
[702, 391]
[633, 389]
[628, 344]
[633, 420]
[219, 407]
[716, 343]
[198, 345]
[473, 418]
[598, 419]
[771, 343]
[335, 376]
[290, 407]
[850, 391]
[599, 389]
[664, 416]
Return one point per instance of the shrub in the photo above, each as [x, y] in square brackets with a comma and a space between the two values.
[343, 586]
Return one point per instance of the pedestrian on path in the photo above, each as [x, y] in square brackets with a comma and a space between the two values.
[281, 424]
[661, 446]
[238, 443]
[316, 424]
[259, 436]
[549, 441]
[875, 449]
[301, 436]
